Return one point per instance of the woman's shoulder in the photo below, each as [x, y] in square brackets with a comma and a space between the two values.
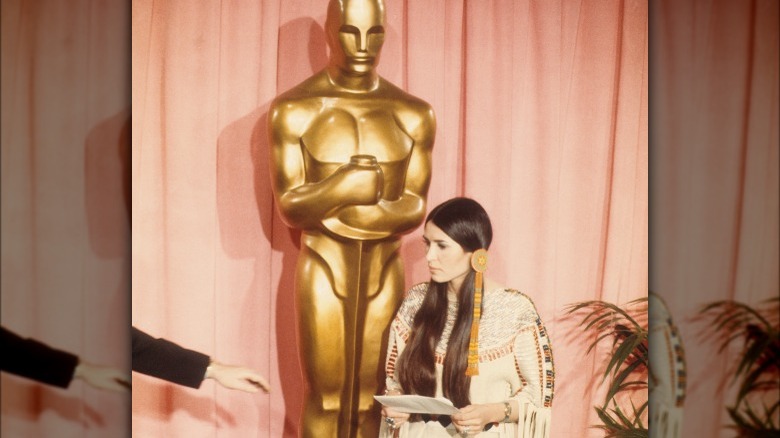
[509, 301]
[498, 290]
[415, 295]
[412, 302]
[515, 296]
[418, 290]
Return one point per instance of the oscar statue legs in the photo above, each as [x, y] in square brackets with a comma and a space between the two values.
[341, 333]
[321, 329]
[379, 314]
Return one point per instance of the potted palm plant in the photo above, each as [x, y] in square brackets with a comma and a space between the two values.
[757, 373]
[627, 364]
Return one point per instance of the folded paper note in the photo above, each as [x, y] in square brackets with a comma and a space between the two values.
[418, 404]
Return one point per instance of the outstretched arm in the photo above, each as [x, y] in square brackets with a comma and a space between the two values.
[168, 361]
[37, 361]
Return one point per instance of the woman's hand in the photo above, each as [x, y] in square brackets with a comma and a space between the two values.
[472, 419]
[398, 418]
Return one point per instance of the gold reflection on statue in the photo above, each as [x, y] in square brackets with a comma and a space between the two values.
[350, 166]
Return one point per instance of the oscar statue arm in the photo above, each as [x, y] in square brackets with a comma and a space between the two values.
[393, 217]
[304, 204]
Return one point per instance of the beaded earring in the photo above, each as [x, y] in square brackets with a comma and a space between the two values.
[479, 263]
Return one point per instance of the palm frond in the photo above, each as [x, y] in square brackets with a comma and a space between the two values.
[617, 424]
[603, 317]
[608, 309]
[737, 313]
[757, 367]
[628, 354]
[749, 423]
[753, 381]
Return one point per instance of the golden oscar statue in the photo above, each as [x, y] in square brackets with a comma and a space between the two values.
[350, 167]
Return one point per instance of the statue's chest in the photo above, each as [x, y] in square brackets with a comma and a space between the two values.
[336, 134]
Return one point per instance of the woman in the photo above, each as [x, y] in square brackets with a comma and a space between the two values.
[502, 381]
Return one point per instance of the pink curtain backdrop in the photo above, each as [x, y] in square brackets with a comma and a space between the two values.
[714, 92]
[542, 117]
[65, 242]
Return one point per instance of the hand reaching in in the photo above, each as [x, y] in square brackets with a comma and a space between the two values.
[237, 377]
[102, 377]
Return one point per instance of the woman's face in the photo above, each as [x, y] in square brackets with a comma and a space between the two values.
[447, 260]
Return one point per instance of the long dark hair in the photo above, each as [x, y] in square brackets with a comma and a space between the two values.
[467, 223]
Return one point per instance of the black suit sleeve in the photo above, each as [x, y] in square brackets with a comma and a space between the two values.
[168, 361]
[35, 360]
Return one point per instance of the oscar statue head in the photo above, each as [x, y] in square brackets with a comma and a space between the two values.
[356, 31]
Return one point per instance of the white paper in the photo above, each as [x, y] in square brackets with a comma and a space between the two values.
[418, 404]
